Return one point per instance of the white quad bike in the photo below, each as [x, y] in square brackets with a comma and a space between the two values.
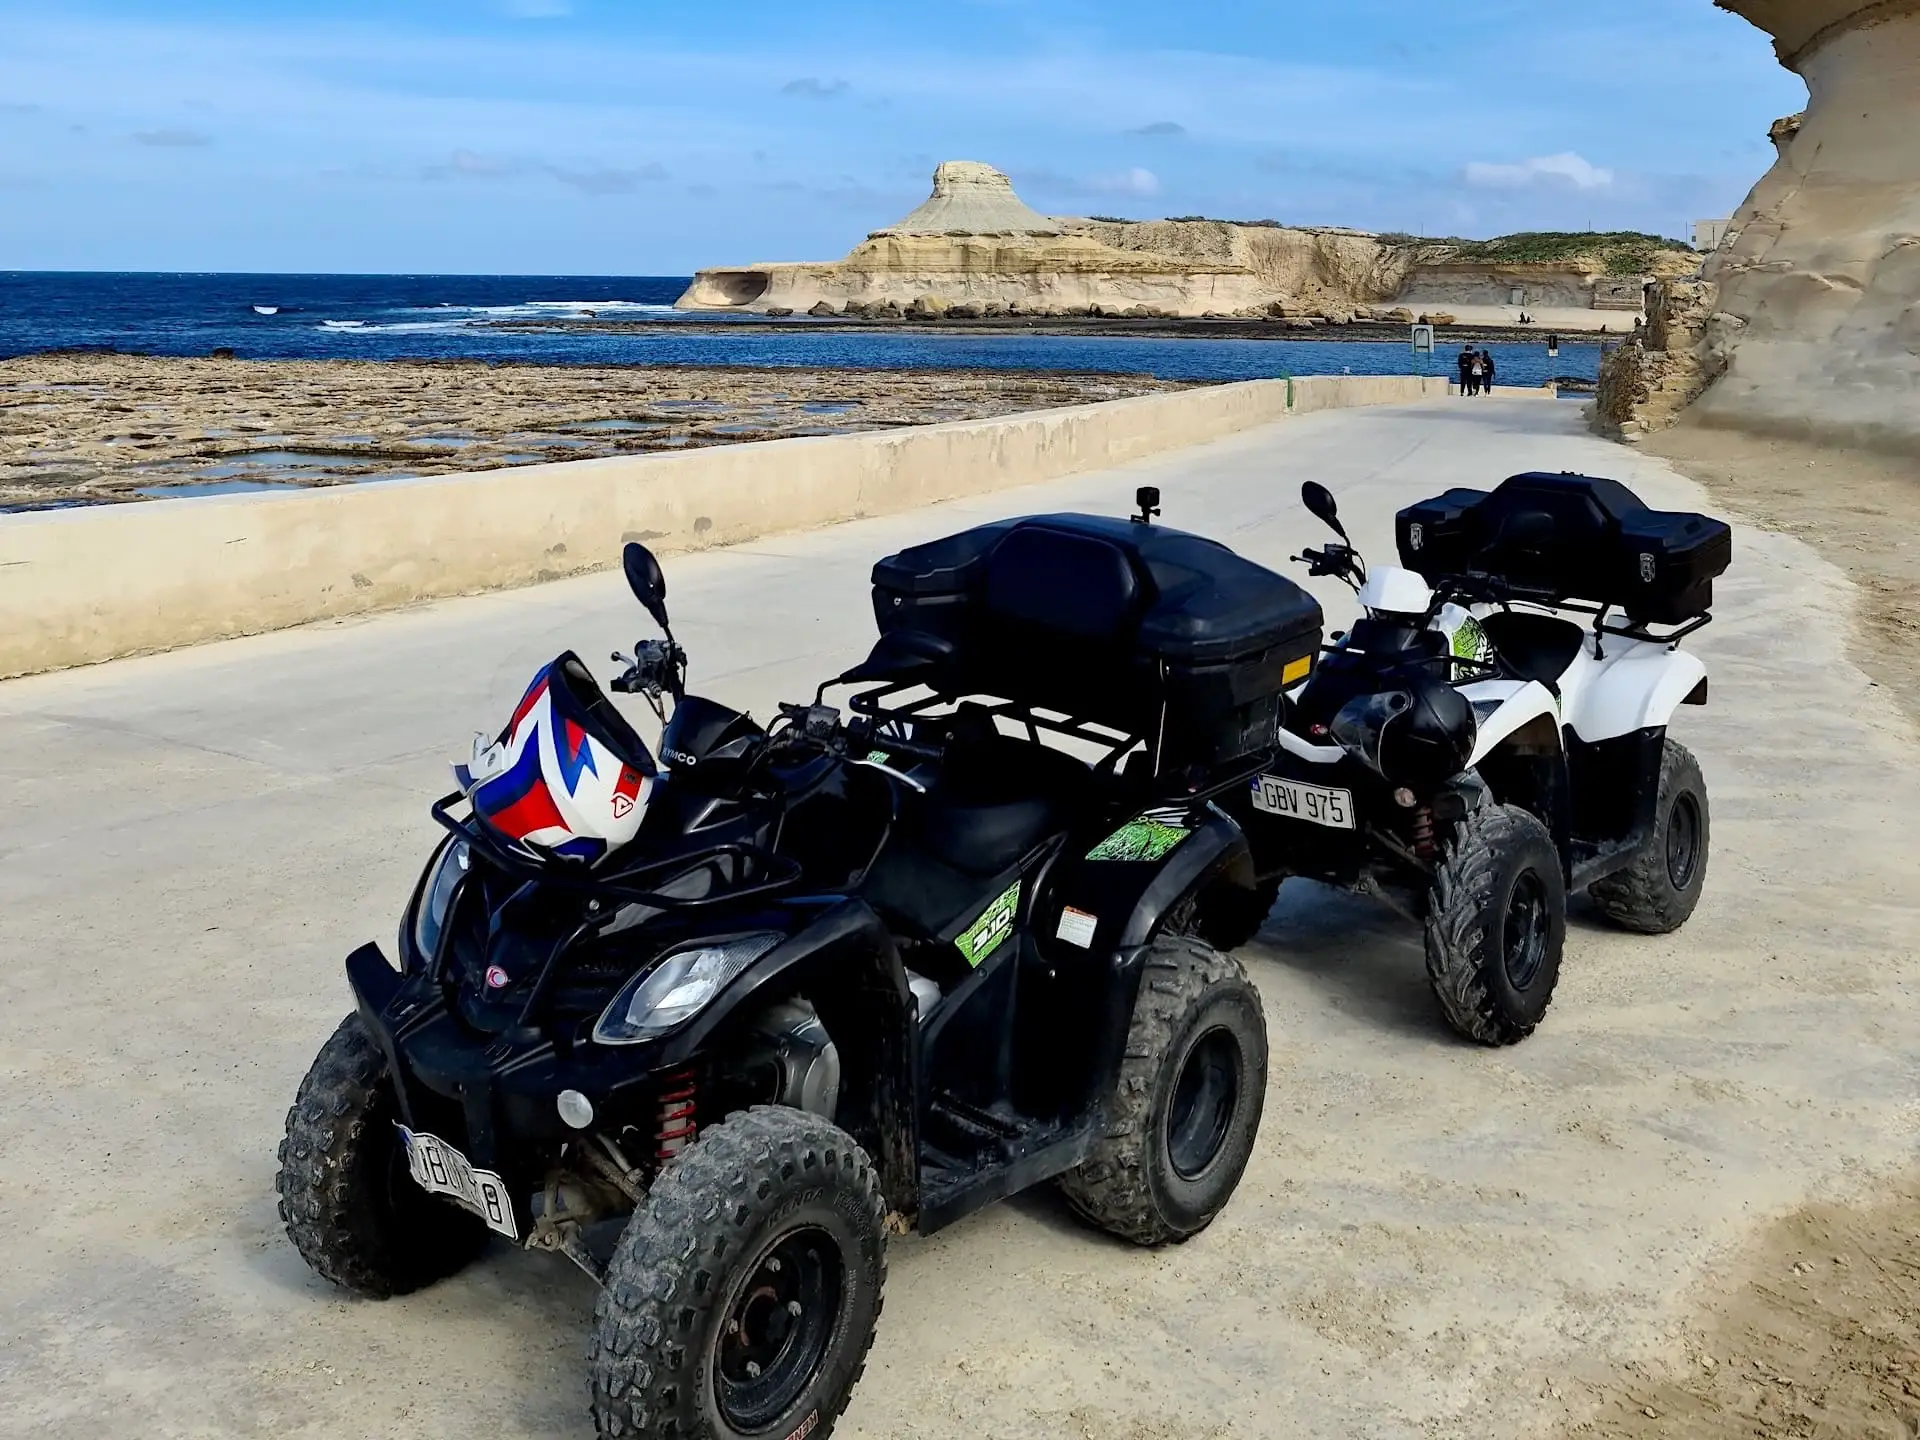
[1470, 754]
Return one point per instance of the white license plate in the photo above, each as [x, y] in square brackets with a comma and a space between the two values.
[1317, 804]
[439, 1169]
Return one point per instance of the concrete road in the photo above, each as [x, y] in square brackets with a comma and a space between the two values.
[1432, 1239]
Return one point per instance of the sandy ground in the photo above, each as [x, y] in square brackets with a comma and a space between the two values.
[86, 428]
[1432, 1240]
[1859, 510]
[1813, 1328]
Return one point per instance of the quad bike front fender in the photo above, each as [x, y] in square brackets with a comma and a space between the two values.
[846, 964]
[1520, 704]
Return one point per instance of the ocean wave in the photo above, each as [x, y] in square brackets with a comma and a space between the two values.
[402, 327]
[549, 309]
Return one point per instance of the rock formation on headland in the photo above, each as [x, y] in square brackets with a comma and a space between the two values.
[1809, 323]
[974, 250]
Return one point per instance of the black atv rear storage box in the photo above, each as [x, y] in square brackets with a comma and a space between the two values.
[1145, 629]
[1572, 537]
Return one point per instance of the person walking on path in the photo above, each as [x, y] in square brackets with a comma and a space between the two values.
[1486, 372]
[1475, 370]
[1465, 364]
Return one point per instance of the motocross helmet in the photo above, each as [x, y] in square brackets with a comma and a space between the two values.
[1420, 733]
[568, 776]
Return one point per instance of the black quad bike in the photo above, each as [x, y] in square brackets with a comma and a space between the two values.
[856, 974]
[1470, 754]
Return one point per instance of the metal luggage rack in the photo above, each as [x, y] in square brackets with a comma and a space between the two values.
[1117, 743]
[926, 710]
[631, 882]
[628, 884]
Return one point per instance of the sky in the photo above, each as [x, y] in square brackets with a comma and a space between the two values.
[627, 137]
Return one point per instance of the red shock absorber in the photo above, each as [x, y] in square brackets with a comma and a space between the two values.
[1423, 842]
[678, 1115]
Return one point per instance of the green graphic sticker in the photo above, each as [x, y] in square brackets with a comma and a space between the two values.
[983, 937]
[1146, 837]
[876, 757]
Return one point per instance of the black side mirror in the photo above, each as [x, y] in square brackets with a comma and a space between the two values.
[1319, 502]
[902, 655]
[648, 584]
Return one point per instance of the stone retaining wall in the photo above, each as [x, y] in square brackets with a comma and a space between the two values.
[78, 586]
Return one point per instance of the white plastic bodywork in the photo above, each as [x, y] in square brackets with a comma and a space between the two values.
[1632, 685]
[1389, 590]
[1614, 686]
[1518, 702]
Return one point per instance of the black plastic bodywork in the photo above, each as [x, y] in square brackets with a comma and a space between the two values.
[1554, 538]
[1150, 630]
[999, 1088]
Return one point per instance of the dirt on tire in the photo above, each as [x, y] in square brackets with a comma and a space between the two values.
[1642, 897]
[352, 1219]
[669, 1274]
[1459, 930]
[1115, 1188]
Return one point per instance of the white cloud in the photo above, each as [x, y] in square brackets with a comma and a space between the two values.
[172, 139]
[1566, 168]
[815, 88]
[1128, 182]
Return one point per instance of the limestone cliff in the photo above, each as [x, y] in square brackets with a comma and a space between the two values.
[1817, 321]
[975, 250]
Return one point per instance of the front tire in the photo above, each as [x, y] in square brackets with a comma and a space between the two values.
[743, 1297]
[1185, 1111]
[351, 1208]
[1496, 925]
[1657, 892]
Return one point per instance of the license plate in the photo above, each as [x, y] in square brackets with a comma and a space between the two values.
[439, 1169]
[1316, 804]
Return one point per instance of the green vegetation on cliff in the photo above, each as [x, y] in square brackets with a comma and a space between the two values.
[1617, 252]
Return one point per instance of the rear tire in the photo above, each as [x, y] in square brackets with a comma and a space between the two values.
[743, 1297]
[1186, 1109]
[351, 1208]
[1657, 893]
[1496, 925]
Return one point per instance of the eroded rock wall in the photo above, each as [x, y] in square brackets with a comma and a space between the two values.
[1817, 320]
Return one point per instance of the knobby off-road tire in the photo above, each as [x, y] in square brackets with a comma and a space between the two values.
[1182, 1119]
[1231, 915]
[728, 1237]
[1657, 893]
[350, 1207]
[1496, 925]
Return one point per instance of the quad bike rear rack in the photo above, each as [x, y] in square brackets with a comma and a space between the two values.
[1116, 744]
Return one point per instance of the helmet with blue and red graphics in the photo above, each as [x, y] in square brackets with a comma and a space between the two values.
[568, 776]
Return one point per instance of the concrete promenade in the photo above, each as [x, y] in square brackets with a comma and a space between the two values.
[1432, 1240]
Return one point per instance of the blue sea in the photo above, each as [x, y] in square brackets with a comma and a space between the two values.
[393, 317]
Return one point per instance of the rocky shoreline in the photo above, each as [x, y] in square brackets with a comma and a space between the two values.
[1446, 331]
[84, 428]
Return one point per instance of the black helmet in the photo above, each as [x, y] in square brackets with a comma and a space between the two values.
[1418, 734]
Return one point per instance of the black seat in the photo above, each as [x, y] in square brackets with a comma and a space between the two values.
[995, 800]
[1533, 647]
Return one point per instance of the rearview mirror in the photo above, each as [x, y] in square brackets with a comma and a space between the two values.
[648, 584]
[902, 655]
[1319, 502]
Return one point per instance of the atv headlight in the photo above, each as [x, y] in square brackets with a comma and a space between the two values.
[444, 875]
[678, 988]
